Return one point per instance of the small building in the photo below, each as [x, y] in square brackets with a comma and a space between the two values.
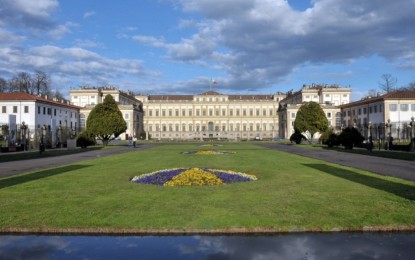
[34, 115]
[374, 115]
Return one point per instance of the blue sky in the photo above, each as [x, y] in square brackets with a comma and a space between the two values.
[177, 46]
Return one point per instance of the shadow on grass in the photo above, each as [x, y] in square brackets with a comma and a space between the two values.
[399, 189]
[16, 180]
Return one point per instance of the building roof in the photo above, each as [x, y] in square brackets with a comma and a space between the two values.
[209, 93]
[396, 95]
[170, 97]
[22, 96]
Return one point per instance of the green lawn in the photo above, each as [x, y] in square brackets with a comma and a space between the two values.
[291, 193]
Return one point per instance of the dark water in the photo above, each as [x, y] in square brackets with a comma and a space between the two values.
[287, 246]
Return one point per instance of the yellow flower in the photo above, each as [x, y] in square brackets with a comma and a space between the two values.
[194, 176]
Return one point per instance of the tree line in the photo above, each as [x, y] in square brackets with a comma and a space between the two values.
[36, 83]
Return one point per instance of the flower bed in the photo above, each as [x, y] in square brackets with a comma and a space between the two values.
[208, 152]
[192, 176]
[209, 145]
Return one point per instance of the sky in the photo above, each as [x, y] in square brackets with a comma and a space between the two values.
[179, 46]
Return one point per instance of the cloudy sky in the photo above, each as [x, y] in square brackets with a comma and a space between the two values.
[177, 46]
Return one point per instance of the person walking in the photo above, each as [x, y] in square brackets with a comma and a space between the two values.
[134, 140]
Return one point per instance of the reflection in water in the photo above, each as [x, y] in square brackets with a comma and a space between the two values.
[288, 246]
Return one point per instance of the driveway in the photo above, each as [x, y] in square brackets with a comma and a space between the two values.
[383, 166]
[16, 167]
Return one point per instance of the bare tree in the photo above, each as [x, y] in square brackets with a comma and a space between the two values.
[3, 85]
[372, 92]
[40, 82]
[58, 95]
[388, 83]
[410, 86]
[21, 82]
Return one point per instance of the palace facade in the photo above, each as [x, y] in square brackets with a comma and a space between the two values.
[211, 115]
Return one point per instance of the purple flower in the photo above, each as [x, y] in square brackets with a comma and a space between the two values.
[159, 178]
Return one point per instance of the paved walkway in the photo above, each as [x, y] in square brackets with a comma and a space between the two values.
[16, 167]
[384, 166]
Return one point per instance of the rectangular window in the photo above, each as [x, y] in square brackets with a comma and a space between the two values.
[4, 109]
[177, 112]
[54, 112]
[223, 112]
[270, 112]
[237, 112]
[375, 109]
[292, 115]
[150, 113]
[183, 112]
[157, 113]
[370, 110]
[170, 112]
[14, 109]
[404, 107]
[244, 112]
[26, 109]
[364, 111]
[231, 112]
[329, 115]
[210, 112]
[163, 112]
[126, 116]
[203, 112]
[197, 112]
[359, 111]
[49, 111]
[393, 107]
[413, 107]
[190, 112]
[264, 112]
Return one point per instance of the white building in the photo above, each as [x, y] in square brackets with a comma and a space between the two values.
[35, 112]
[328, 96]
[130, 107]
[372, 113]
[211, 115]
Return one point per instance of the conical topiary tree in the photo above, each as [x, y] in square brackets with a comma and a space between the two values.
[105, 120]
[310, 117]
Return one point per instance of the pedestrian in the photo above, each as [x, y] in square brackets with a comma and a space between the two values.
[134, 141]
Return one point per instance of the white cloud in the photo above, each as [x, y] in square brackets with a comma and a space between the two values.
[259, 42]
[23, 13]
[89, 14]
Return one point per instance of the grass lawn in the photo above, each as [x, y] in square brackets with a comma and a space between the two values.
[291, 193]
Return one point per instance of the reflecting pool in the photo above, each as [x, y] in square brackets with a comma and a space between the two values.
[284, 246]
